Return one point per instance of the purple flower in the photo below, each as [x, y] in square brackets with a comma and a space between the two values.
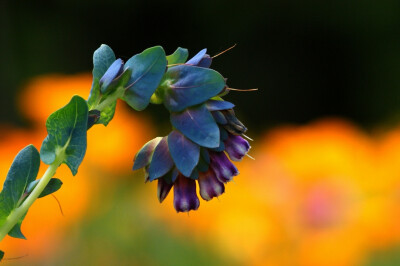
[223, 168]
[236, 147]
[209, 185]
[185, 196]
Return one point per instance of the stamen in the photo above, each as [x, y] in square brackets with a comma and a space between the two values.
[247, 137]
[59, 204]
[224, 51]
[250, 156]
[232, 89]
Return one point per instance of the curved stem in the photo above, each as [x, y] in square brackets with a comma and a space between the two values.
[19, 212]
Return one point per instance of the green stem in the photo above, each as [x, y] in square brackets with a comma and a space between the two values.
[19, 212]
[109, 99]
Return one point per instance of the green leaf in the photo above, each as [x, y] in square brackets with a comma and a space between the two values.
[54, 185]
[148, 68]
[51, 187]
[103, 57]
[1, 255]
[23, 171]
[16, 230]
[178, 57]
[66, 139]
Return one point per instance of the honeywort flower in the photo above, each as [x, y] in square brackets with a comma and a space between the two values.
[205, 132]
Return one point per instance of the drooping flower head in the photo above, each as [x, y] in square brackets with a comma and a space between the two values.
[205, 133]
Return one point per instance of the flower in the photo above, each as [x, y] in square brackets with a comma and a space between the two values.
[205, 132]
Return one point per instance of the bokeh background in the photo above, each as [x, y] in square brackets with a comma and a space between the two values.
[325, 186]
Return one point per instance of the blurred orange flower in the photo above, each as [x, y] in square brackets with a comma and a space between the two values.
[321, 194]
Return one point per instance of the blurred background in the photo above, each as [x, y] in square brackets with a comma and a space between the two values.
[325, 186]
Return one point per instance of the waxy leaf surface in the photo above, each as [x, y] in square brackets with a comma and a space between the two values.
[66, 137]
[197, 124]
[184, 86]
[184, 152]
[161, 162]
[178, 57]
[143, 157]
[147, 68]
[23, 171]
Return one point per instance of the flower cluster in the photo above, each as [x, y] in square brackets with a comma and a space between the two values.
[205, 133]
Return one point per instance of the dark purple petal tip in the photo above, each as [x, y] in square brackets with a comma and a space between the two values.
[185, 197]
[163, 188]
[224, 169]
[236, 147]
[209, 185]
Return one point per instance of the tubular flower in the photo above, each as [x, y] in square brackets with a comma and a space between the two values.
[205, 132]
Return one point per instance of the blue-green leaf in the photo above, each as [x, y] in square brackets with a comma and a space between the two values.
[23, 171]
[197, 124]
[184, 86]
[103, 57]
[161, 162]
[51, 187]
[16, 230]
[147, 68]
[184, 152]
[143, 157]
[66, 137]
[178, 57]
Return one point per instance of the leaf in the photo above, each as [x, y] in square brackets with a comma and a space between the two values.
[16, 230]
[143, 157]
[51, 187]
[103, 57]
[197, 124]
[148, 69]
[1, 255]
[184, 152]
[66, 137]
[184, 86]
[54, 185]
[161, 162]
[178, 57]
[23, 171]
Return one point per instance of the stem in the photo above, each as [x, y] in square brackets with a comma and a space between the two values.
[109, 99]
[17, 214]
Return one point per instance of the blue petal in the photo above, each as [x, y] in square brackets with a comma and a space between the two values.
[184, 152]
[185, 86]
[195, 60]
[161, 162]
[214, 105]
[205, 61]
[198, 125]
[148, 69]
[112, 72]
[143, 157]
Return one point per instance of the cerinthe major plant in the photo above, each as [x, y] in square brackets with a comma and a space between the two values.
[205, 132]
